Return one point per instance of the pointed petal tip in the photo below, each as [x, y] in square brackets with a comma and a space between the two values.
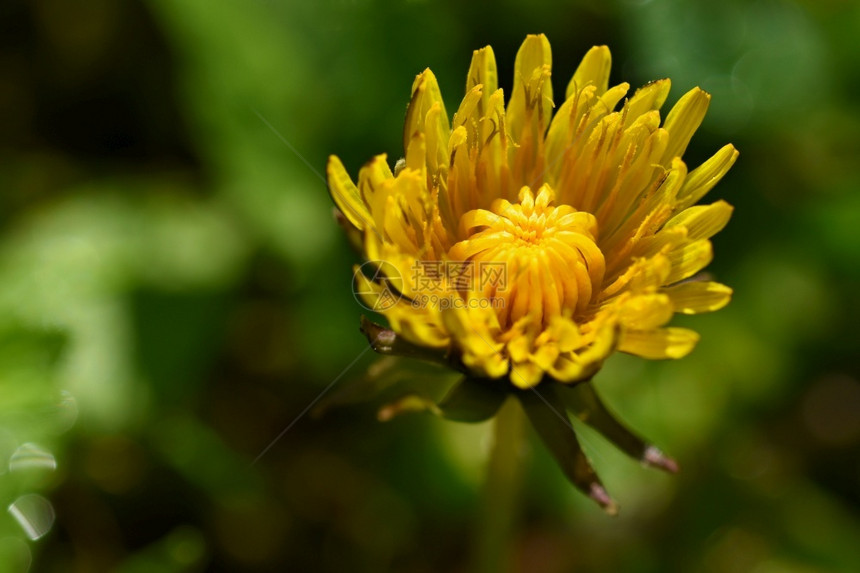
[332, 165]
[659, 81]
[522, 382]
[537, 42]
[381, 339]
[422, 78]
[599, 494]
[725, 205]
[699, 91]
[654, 458]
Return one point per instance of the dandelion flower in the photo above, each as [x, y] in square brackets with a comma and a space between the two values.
[523, 247]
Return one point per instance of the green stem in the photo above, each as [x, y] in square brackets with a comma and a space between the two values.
[500, 498]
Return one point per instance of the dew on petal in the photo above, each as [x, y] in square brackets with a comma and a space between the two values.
[31, 456]
[34, 514]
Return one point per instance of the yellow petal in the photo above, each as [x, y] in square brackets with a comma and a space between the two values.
[568, 369]
[491, 168]
[483, 72]
[561, 137]
[372, 175]
[346, 195]
[683, 121]
[416, 153]
[583, 365]
[461, 193]
[659, 344]
[437, 140]
[467, 110]
[567, 333]
[643, 275]
[703, 178]
[368, 290]
[698, 296]
[518, 347]
[399, 212]
[653, 273]
[425, 93]
[612, 96]
[647, 98]
[666, 239]
[423, 328]
[525, 374]
[371, 178]
[531, 98]
[689, 259]
[545, 355]
[703, 221]
[593, 70]
[458, 137]
[474, 331]
[645, 312]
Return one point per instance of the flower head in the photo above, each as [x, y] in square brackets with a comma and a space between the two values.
[514, 245]
[531, 245]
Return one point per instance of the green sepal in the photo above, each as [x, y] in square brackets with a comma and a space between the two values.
[547, 413]
[471, 400]
[386, 342]
[583, 402]
[381, 375]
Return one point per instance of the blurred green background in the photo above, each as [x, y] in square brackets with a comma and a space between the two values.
[174, 293]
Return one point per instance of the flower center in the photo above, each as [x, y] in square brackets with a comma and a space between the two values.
[534, 260]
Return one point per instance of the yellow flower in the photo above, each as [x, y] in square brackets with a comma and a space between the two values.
[530, 246]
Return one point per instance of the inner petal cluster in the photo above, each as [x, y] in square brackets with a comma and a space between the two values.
[552, 265]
